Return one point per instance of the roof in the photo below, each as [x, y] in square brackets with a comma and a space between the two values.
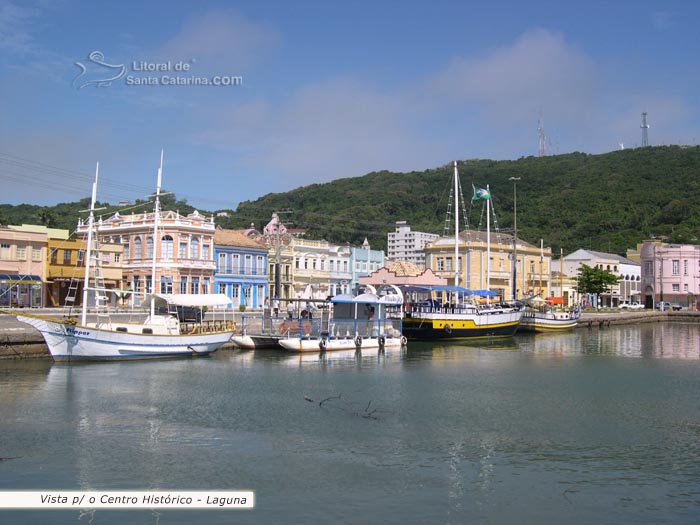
[599, 255]
[236, 238]
[405, 269]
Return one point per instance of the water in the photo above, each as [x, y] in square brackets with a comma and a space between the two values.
[591, 426]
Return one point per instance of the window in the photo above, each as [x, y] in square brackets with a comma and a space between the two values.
[194, 249]
[205, 285]
[261, 265]
[81, 255]
[183, 284]
[685, 288]
[194, 287]
[36, 254]
[221, 264]
[676, 287]
[126, 251]
[21, 253]
[149, 247]
[248, 265]
[137, 284]
[117, 257]
[440, 264]
[66, 256]
[235, 263]
[4, 250]
[648, 267]
[676, 267]
[166, 284]
[182, 250]
[222, 288]
[167, 247]
[685, 266]
[205, 251]
[235, 293]
[54, 256]
[138, 254]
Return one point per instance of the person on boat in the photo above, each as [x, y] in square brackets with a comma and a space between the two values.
[310, 309]
[276, 307]
[266, 307]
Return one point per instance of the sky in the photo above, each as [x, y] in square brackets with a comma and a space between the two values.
[307, 92]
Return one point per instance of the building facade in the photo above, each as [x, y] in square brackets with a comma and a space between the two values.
[628, 286]
[22, 267]
[472, 270]
[184, 252]
[670, 273]
[241, 268]
[406, 245]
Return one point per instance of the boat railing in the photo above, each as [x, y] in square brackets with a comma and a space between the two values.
[340, 328]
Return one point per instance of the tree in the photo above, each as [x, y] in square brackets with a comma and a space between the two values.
[595, 280]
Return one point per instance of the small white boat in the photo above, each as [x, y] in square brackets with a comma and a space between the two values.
[160, 335]
[366, 321]
[259, 332]
[548, 320]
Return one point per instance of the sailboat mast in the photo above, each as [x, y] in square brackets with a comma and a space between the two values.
[156, 214]
[88, 254]
[488, 239]
[456, 268]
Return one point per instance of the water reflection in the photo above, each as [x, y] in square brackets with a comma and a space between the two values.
[592, 425]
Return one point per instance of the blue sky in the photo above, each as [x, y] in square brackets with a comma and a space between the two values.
[329, 90]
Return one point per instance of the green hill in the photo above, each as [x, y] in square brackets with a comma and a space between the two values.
[605, 202]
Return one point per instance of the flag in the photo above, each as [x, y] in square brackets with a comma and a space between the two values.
[480, 194]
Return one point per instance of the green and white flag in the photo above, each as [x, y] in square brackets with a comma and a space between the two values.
[480, 194]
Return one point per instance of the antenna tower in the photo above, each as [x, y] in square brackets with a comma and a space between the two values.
[645, 133]
[541, 148]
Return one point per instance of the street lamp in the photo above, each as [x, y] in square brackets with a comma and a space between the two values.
[515, 235]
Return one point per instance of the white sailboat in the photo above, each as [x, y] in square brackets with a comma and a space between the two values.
[460, 318]
[160, 335]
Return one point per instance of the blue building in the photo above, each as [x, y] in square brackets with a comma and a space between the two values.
[241, 267]
[364, 261]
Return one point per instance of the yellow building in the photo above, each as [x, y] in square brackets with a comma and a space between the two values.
[473, 270]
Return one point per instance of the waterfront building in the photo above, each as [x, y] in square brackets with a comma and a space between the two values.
[22, 266]
[311, 271]
[532, 269]
[341, 268]
[278, 239]
[364, 261]
[406, 245]
[670, 273]
[627, 288]
[241, 267]
[184, 251]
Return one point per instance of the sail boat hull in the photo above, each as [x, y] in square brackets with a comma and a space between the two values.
[432, 326]
[69, 342]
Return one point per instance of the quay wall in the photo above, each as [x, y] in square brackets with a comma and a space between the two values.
[19, 341]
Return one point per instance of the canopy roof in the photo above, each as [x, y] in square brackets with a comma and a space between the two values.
[161, 299]
[447, 288]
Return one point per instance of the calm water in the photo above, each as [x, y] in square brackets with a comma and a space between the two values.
[592, 426]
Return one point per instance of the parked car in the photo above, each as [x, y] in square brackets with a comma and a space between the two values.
[664, 305]
[632, 306]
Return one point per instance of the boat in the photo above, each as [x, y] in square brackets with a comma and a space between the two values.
[259, 332]
[539, 316]
[160, 335]
[453, 312]
[368, 320]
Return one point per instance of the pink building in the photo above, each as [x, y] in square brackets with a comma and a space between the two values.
[670, 273]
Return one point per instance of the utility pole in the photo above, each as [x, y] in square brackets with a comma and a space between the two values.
[515, 237]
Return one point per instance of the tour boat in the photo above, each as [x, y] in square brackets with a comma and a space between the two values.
[160, 335]
[370, 320]
[459, 316]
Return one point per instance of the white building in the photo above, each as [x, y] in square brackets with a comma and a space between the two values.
[626, 290]
[405, 245]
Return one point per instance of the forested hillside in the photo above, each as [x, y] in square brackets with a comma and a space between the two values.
[605, 202]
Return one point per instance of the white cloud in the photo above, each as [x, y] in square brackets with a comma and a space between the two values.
[223, 40]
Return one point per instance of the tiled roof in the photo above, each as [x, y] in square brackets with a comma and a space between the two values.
[236, 238]
[405, 269]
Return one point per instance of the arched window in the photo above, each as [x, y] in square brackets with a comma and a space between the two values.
[137, 248]
[149, 247]
[166, 249]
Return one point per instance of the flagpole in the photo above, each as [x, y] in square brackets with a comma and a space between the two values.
[488, 240]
